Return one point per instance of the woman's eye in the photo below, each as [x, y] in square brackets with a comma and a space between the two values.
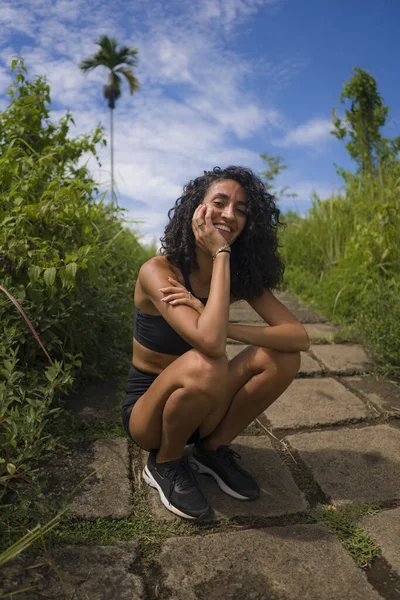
[218, 203]
[242, 212]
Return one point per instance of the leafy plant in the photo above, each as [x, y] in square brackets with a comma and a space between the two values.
[363, 122]
[69, 261]
[344, 255]
[274, 167]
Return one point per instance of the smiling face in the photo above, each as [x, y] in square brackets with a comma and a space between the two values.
[229, 201]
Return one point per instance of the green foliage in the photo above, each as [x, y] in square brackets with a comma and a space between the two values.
[344, 257]
[141, 526]
[274, 167]
[68, 260]
[363, 122]
[25, 399]
[343, 522]
[73, 430]
[37, 533]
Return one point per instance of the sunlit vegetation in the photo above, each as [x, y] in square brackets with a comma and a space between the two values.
[69, 261]
[344, 255]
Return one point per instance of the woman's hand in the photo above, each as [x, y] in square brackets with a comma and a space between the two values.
[176, 294]
[208, 238]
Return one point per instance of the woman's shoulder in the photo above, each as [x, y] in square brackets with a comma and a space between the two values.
[159, 265]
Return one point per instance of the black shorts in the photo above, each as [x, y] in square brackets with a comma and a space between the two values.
[138, 383]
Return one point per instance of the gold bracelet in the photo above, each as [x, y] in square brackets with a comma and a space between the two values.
[224, 248]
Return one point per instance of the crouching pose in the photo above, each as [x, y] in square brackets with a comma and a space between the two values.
[220, 246]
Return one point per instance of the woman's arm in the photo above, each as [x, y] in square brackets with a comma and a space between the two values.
[285, 333]
[285, 338]
[207, 332]
[213, 321]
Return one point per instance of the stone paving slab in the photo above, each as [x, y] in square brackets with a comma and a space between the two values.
[278, 563]
[242, 311]
[97, 497]
[353, 465]
[343, 359]
[312, 402]
[304, 314]
[320, 331]
[279, 493]
[385, 529]
[308, 365]
[301, 311]
[96, 403]
[90, 573]
[383, 394]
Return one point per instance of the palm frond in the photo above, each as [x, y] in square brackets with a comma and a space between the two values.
[98, 60]
[109, 45]
[88, 64]
[107, 55]
[119, 62]
[129, 76]
[128, 56]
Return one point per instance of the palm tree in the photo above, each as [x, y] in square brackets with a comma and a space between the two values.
[119, 62]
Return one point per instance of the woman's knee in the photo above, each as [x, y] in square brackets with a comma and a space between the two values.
[284, 365]
[206, 374]
[188, 405]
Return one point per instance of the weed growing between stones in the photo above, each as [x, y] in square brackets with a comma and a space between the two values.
[75, 431]
[253, 429]
[140, 526]
[343, 522]
[346, 335]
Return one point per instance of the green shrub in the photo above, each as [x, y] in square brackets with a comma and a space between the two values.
[67, 258]
[344, 257]
[26, 402]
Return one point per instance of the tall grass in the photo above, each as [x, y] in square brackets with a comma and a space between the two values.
[344, 257]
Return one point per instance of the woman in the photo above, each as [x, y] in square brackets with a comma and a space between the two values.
[220, 246]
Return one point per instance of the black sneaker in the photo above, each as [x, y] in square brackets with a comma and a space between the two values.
[230, 477]
[177, 487]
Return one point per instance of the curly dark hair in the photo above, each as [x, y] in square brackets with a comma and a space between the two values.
[255, 261]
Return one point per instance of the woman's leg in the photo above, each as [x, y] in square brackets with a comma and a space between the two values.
[163, 419]
[257, 377]
[177, 402]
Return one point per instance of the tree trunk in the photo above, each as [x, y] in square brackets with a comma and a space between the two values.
[113, 196]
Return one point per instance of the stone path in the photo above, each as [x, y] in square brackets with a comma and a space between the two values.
[332, 438]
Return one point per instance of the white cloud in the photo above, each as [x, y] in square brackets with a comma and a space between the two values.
[308, 134]
[16, 20]
[231, 12]
[195, 108]
[174, 61]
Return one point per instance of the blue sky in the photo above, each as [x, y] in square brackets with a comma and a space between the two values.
[222, 81]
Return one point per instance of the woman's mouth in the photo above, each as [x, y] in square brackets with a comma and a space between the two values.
[223, 228]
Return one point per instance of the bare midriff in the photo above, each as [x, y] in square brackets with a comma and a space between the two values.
[150, 361]
[143, 358]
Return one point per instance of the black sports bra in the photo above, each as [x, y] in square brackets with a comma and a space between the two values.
[155, 333]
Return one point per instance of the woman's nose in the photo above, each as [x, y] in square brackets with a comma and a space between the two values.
[228, 212]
